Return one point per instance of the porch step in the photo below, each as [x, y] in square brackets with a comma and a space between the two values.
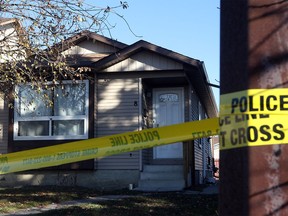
[163, 168]
[161, 185]
[161, 178]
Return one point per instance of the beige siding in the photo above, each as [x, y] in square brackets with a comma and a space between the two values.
[117, 112]
[126, 161]
[145, 61]
[11, 50]
[90, 47]
[197, 144]
[4, 113]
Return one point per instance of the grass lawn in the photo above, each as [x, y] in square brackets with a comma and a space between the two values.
[135, 203]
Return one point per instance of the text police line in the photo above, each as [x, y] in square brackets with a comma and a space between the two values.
[253, 117]
[256, 103]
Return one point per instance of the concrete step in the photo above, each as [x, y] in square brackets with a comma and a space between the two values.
[161, 178]
[161, 185]
[161, 175]
[163, 168]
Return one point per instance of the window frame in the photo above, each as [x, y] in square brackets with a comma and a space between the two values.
[52, 118]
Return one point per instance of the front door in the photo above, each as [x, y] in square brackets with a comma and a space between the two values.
[168, 109]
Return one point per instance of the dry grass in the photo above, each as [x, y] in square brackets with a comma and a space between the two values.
[13, 200]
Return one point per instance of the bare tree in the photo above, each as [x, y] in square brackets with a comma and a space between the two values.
[29, 30]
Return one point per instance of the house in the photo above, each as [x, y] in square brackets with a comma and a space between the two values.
[10, 33]
[129, 88]
[12, 40]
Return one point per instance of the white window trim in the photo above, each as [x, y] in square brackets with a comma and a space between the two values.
[51, 118]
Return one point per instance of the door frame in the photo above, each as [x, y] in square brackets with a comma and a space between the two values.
[182, 107]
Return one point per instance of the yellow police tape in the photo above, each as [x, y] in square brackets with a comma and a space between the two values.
[105, 146]
[253, 117]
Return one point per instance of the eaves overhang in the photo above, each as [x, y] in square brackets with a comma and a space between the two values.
[196, 72]
[138, 47]
[87, 35]
[200, 83]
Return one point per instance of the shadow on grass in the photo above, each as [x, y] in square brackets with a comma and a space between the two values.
[41, 194]
[161, 204]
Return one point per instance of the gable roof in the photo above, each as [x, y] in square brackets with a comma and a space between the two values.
[76, 60]
[17, 24]
[5, 21]
[86, 35]
[138, 47]
[195, 69]
[15, 34]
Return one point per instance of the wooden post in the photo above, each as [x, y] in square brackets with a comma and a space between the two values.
[254, 55]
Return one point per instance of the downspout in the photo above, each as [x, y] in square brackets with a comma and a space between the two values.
[140, 123]
[204, 107]
[192, 168]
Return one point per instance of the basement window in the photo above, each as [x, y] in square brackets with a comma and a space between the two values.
[52, 113]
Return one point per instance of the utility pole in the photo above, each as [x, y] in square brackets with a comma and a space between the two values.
[254, 55]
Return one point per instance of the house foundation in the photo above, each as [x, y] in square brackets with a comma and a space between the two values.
[100, 180]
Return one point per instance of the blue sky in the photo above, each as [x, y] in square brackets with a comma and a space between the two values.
[189, 27]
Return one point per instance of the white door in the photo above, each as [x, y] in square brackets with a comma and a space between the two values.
[168, 109]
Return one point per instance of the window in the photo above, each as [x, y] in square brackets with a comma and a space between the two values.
[59, 112]
[168, 98]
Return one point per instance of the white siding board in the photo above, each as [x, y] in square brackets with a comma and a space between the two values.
[117, 97]
[124, 120]
[116, 87]
[117, 120]
[115, 90]
[114, 103]
[116, 113]
[108, 133]
[108, 128]
[128, 160]
[145, 61]
[90, 47]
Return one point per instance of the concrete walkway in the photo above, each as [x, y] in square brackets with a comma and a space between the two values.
[37, 210]
[210, 189]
